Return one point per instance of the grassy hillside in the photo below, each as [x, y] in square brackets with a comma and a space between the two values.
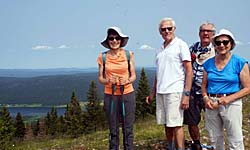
[148, 135]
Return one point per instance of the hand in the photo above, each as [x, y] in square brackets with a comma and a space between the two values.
[122, 81]
[149, 99]
[210, 104]
[185, 102]
[215, 105]
[223, 100]
[113, 79]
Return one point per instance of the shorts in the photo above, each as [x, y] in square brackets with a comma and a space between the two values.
[168, 109]
[192, 116]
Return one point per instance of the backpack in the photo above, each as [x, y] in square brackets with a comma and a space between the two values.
[104, 61]
[200, 57]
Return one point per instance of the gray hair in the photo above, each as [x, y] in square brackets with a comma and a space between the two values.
[167, 19]
[207, 23]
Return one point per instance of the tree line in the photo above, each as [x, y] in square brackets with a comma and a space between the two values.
[75, 121]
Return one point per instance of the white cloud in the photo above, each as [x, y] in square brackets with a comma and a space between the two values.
[239, 43]
[41, 47]
[63, 46]
[248, 43]
[146, 47]
[46, 47]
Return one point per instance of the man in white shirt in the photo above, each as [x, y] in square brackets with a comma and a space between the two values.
[172, 83]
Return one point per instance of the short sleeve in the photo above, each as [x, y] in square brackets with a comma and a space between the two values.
[99, 59]
[185, 53]
[240, 63]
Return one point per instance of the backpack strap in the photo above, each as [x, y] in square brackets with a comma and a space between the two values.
[128, 59]
[104, 61]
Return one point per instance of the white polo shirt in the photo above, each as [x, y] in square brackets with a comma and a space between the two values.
[169, 64]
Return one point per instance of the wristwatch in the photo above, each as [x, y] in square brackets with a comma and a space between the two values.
[186, 93]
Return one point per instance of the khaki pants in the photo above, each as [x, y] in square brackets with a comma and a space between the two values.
[168, 109]
[227, 117]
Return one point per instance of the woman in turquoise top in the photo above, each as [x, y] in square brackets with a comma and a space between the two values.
[225, 81]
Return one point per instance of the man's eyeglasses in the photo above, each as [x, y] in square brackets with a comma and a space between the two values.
[209, 31]
[116, 38]
[225, 42]
[167, 29]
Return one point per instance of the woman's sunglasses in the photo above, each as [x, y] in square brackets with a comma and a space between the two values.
[224, 42]
[116, 38]
[167, 29]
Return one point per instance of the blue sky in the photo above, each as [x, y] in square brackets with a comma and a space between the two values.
[37, 34]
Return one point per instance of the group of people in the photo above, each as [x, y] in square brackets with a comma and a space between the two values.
[206, 76]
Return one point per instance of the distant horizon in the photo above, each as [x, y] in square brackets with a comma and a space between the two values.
[24, 73]
[47, 68]
[64, 68]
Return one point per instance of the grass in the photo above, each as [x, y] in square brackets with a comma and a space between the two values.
[246, 121]
[145, 132]
[147, 135]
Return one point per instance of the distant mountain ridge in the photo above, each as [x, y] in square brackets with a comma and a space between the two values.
[52, 89]
[43, 72]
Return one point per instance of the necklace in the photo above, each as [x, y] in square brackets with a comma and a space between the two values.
[115, 53]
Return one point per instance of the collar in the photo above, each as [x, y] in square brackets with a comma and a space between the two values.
[171, 43]
[204, 49]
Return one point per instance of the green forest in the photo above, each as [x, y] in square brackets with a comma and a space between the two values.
[75, 121]
[87, 128]
[52, 90]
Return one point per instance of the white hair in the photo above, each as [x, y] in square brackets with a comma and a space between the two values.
[208, 23]
[167, 19]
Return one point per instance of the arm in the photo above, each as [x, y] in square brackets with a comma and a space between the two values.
[245, 82]
[101, 79]
[189, 75]
[188, 83]
[208, 102]
[153, 92]
[204, 84]
[132, 78]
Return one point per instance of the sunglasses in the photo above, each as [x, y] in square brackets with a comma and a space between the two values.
[167, 29]
[225, 42]
[209, 31]
[117, 38]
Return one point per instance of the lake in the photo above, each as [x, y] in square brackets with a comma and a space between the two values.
[34, 111]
